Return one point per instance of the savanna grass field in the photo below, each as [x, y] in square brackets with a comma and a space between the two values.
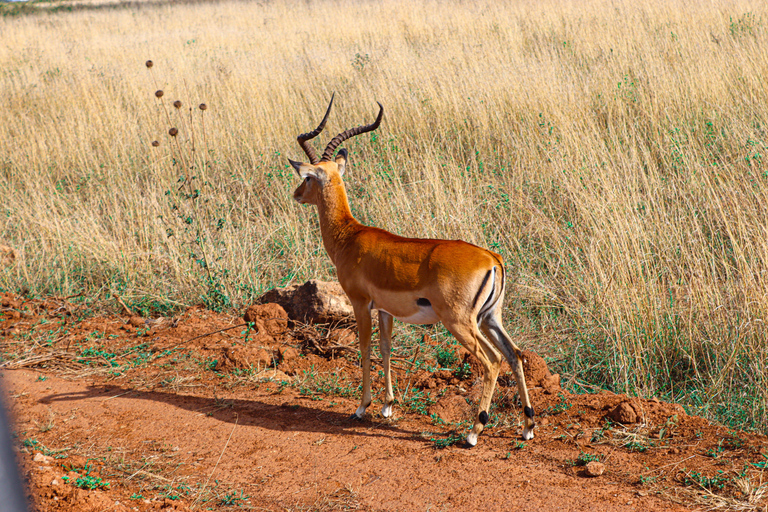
[614, 152]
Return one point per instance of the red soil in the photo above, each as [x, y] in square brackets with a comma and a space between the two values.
[169, 429]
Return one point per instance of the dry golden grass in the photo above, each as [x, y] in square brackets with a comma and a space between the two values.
[613, 152]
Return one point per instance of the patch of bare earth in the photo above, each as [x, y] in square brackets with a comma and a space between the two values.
[153, 416]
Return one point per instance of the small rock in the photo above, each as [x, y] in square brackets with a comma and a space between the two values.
[551, 384]
[263, 358]
[287, 353]
[594, 468]
[273, 375]
[269, 319]
[136, 321]
[39, 457]
[623, 413]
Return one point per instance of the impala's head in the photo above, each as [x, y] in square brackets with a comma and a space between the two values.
[327, 170]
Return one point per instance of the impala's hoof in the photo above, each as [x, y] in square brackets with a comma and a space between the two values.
[471, 440]
[528, 434]
[386, 411]
[358, 414]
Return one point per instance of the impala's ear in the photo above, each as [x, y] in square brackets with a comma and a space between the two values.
[296, 166]
[308, 171]
[341, 160]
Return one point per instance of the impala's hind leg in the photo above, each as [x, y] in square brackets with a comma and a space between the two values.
[473, 340]
[491, 326]
[385, 344]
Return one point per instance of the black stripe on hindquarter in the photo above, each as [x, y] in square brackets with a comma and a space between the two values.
[482, 287]
[493, 298]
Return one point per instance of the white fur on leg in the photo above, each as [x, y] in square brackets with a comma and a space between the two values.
[360, 412]
[386, 411]
[472, 439]
[527, 433]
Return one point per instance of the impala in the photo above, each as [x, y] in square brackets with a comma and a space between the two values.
[415, 280]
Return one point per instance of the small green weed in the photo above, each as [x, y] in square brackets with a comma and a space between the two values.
[599, 434]
[85, 480]
[634, 446]
[30, 443]
[763, 464]
[418, 401]
[175, 493]
[561, 406]
[436, 420]
[230, 499]
[316, 385]
[585, 458]
[88, 355]
[733, 441]
[446, 357]
[717, 451]
[452, 439]
[694, 478]
[91, 482]
[463, 372]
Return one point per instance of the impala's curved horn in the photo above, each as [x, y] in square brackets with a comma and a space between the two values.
[331, 147]
[305, 137]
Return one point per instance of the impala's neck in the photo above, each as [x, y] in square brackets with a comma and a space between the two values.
[336, 221]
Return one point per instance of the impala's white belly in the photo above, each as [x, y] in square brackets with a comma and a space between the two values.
[426, 315]
[422, 315]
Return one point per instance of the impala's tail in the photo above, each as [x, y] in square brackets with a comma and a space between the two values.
[492, 289]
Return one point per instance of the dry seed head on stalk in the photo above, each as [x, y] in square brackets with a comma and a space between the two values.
[173, 132]
[149, 63]
[155, 143]
[159, 94]
[203, 106]
[177, 104]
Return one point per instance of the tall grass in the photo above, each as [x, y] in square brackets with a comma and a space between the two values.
[613, 152]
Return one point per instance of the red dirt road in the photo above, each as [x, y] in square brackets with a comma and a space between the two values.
[285, 451]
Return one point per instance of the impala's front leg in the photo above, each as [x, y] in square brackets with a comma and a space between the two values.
[363, 318]
[385, 345]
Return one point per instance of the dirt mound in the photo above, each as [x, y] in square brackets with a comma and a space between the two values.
[267, 319]
[537, 373]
